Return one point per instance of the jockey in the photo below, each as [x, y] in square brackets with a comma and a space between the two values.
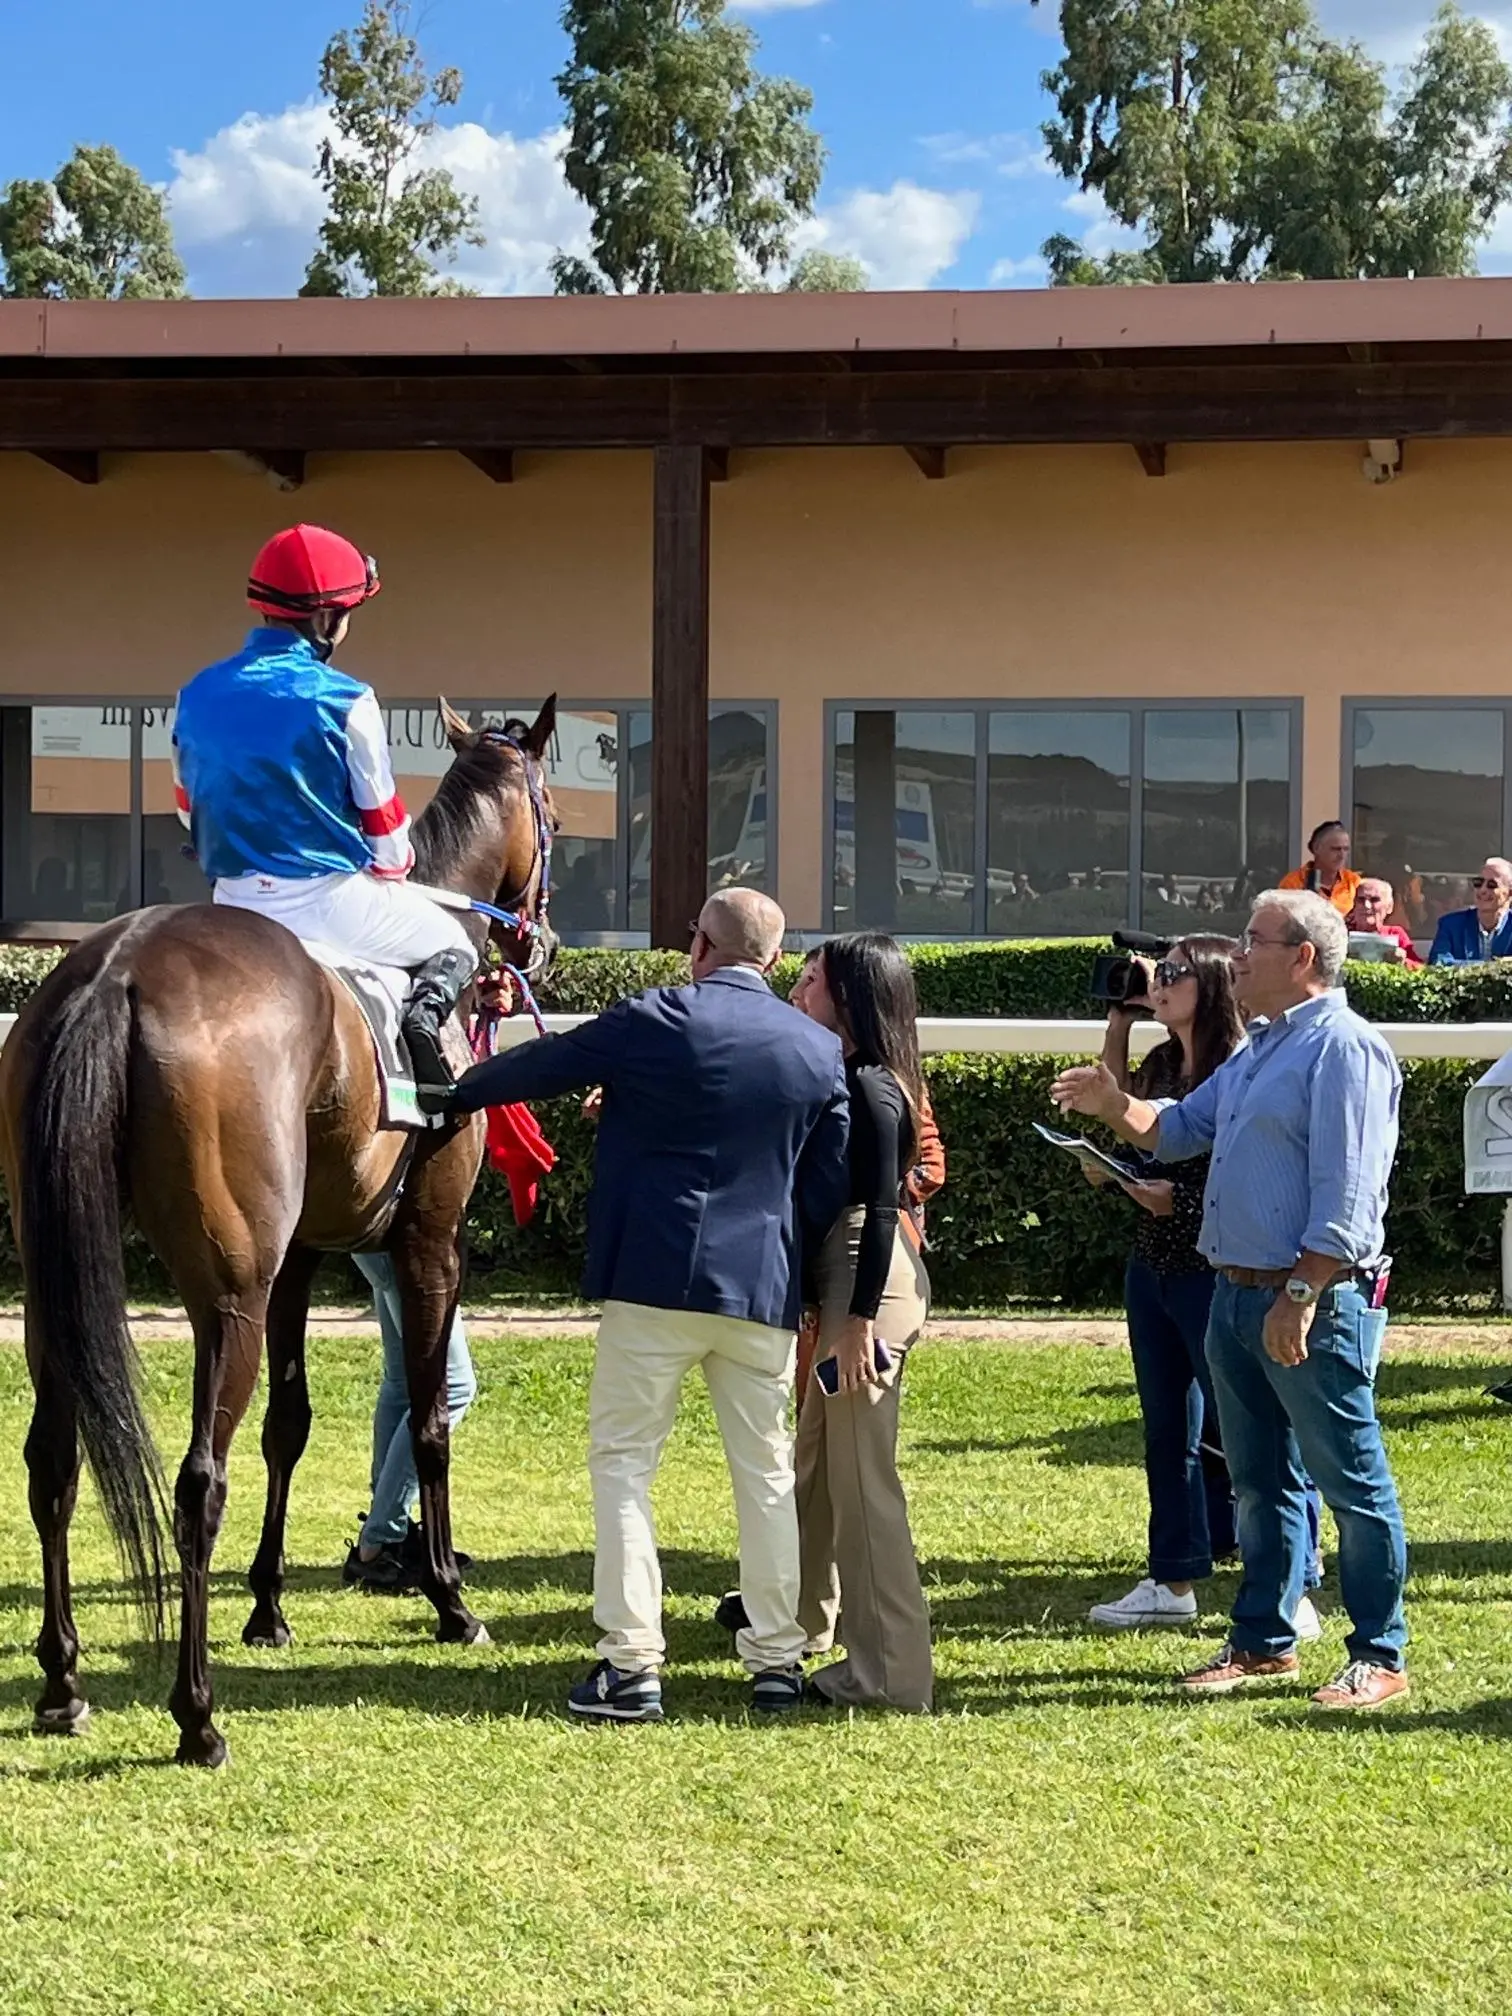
[282, 775]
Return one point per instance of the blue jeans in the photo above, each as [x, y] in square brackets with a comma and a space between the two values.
[1321, 1415]
[395, 1483]
[1191, 1499]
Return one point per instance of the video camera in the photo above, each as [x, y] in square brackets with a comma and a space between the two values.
[1119, 980]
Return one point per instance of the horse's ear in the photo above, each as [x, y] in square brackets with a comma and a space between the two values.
[537, 738]
[458, 731]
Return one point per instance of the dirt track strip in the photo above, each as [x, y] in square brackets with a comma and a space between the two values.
[1492, 1341]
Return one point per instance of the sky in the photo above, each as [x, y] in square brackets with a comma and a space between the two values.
[930, 110]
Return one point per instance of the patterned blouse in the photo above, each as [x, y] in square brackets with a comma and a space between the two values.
[1169, 1245]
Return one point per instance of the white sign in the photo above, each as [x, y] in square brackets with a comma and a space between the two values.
[1488, 1132]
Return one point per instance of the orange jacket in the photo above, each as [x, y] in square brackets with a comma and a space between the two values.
[1342, 895]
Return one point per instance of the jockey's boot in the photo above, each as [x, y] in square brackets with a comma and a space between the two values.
[437, 989]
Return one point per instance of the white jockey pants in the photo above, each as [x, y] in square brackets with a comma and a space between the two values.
[386, 923]
[642, 1359]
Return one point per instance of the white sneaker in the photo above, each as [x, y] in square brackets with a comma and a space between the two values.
[1146, 1607]
[1306, 1622]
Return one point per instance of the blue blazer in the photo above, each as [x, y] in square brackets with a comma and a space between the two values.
[721, 1144]
[1457, 940]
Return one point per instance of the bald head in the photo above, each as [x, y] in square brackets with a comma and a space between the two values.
[738, 927]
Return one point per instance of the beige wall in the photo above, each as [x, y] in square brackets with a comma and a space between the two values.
[1028, 573]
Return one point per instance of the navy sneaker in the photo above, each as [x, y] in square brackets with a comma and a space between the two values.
[778, 1691]
[607, 1695]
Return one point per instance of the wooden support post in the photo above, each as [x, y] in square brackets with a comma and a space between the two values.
[679, 693]
[1152, 457]
[81, 465]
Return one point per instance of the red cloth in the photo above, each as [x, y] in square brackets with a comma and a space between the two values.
[522, 1155]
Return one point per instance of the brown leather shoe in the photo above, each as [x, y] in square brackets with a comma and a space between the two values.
[1229, 1668]
[1362, 1685]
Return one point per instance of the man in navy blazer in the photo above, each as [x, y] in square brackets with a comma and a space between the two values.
[721, 1147]
[1465, 937]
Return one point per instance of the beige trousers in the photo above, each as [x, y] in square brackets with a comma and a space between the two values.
[642, 1359]
[852, 1514]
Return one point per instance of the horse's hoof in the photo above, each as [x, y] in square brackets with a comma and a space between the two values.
[266, 1637]
[205, 1752]
[72, 1719]
[479, 1634]
[463, 1631]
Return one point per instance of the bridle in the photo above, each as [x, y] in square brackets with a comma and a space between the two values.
[526, 916]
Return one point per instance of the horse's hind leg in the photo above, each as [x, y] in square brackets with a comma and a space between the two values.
[286, 1430]
[52, 1461]
[227, 1346]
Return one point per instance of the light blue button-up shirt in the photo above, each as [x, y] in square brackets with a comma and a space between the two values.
[1302, 1123]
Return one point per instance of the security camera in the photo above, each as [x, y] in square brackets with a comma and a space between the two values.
[1382, 461]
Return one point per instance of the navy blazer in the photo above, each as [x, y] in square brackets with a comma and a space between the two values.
[1457, 940]
[721, 1144]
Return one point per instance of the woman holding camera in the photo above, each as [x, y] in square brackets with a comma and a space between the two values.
[1169, 1286]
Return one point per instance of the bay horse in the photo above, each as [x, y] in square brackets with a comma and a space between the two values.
[197, 1067]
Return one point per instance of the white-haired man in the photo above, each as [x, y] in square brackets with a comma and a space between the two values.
[1484, 931]
[1375, 899]
[1302, 1125]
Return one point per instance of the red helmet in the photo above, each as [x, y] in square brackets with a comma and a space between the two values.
[308, 568]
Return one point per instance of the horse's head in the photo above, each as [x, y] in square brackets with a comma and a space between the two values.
[489, 828]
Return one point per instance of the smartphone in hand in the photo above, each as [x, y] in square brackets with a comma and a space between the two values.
[827, 1371]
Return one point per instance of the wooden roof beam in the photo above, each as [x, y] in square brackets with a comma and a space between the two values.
[1152, 457]
[930, 462]
[718, 460]
[80, 465]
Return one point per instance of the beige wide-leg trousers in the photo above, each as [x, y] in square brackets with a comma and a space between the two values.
[854, 1537]
[642, 1359]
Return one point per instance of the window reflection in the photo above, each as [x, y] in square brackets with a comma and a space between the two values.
[168, 875]
[1057, 823]
[905, 821]
[68, 813]
[582, 769]
[738, 810]
[1427, 803]
[1217, 811]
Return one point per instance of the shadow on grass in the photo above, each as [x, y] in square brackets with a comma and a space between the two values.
[1491, 1717]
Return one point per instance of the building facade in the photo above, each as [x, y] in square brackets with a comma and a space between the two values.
[982, 688]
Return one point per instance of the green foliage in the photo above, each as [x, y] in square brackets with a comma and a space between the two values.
[96, 232]
[1246, 145]
[695, 169]
[1072, 265]
[23, 968]
[827, 273]
[388, 223]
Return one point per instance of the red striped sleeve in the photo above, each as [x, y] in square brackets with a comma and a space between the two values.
[180, 797]
[380, 819]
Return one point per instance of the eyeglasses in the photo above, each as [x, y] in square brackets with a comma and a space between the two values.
[697, 931]
[1248, 940]
[1486, 882]
[1169, 971]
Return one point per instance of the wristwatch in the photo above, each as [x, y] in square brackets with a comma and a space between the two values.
[1302, 1292]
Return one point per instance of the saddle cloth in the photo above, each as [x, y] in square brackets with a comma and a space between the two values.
[380, 992]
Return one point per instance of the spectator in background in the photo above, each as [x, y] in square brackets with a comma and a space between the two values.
[1327, 872]
[1373, 905]
[1484, 931]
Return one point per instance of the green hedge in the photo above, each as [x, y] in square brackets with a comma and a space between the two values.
[1016, 1222]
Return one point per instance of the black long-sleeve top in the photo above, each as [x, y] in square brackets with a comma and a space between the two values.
[881, 1147]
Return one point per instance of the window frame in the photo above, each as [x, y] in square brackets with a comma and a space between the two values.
[475, 710]
[1355, 704]
[1289, 704]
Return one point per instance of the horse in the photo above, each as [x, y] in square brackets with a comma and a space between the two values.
[198, 1067]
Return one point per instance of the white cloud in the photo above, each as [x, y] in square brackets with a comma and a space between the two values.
[246, 206]
[905, 236]
[1014, 155]
[1030, 272]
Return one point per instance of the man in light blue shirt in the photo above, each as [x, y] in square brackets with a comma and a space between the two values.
[1302, 1124]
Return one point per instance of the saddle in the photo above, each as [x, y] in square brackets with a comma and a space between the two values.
[381, 992]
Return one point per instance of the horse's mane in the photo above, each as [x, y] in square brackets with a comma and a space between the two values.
[445, 831]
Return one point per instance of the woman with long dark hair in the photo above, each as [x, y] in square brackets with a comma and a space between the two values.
[872, 1295]
[1167, 1292]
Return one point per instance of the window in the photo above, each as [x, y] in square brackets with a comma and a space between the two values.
[89, 828]
[1217, 813]
[1038, 820]
[1427, 792]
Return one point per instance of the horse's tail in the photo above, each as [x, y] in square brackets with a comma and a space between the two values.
[73, 1137]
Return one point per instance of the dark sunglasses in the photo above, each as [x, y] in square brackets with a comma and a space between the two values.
[1169, 971]
[1486, 882]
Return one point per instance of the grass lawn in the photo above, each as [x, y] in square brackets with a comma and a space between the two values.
[404, 1828]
